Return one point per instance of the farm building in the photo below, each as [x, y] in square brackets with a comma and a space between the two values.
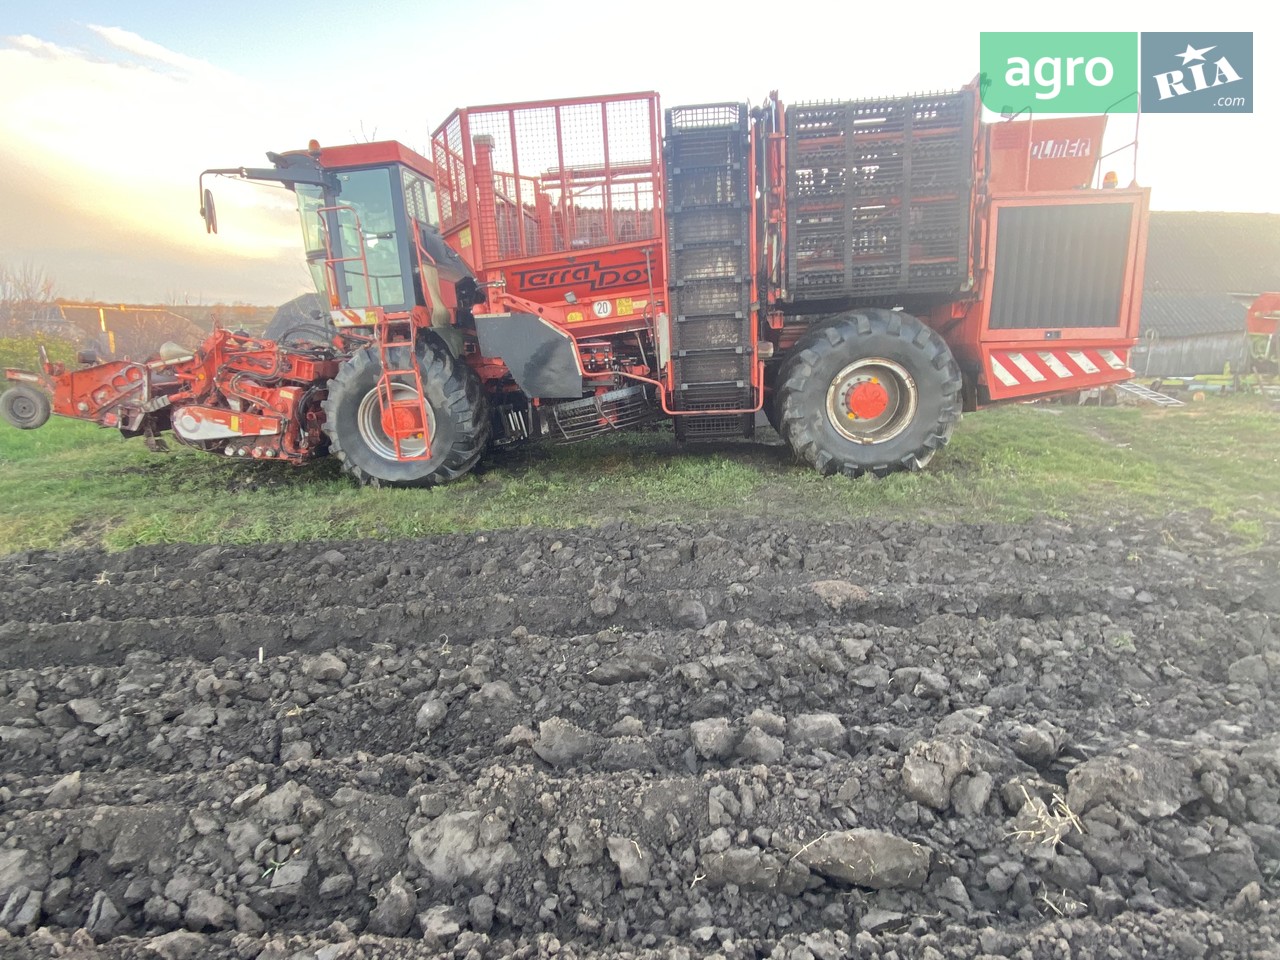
[128, 330]
[1203, 270]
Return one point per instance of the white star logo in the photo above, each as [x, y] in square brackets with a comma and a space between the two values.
[1191, 53]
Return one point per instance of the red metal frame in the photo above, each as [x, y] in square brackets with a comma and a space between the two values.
[618, 283]
[370, 154]
[1263, 315]
[225, 370]
[1028, 362]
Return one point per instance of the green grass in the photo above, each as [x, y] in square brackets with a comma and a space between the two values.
[73, 484]
[24, 352]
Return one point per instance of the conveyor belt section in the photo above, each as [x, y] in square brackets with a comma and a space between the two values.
[707, 153]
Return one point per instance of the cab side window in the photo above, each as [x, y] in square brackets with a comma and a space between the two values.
[420, 198]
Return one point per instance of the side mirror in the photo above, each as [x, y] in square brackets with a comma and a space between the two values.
[209, 213]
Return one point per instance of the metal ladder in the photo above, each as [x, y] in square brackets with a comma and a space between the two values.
[389, 334]
[392, 335]
[1148, 395]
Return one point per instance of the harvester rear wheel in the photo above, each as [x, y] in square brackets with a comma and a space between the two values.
[457, 419]
[25, 407]
[872, 392]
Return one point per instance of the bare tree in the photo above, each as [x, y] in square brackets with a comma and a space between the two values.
[25, 289]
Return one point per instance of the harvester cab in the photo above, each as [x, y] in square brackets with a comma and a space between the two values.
[370, 232]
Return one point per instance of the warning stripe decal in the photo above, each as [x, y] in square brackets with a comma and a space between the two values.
[1056, 366]
[1028, 369]
[1003, 375]
[1043, 369]
[1083, 362]
[1109, 357]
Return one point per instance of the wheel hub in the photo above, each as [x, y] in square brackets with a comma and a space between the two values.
[404, 422]
[382, 424]
[871, 400]
[867, 399]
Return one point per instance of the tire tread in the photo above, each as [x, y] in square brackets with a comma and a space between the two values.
[796, 416]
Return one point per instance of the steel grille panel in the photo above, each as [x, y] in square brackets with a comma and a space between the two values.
[615, 410]
[713, 366]
[709, 261]
[709, 226]
[878, 195]
[1060, 267]
[703, 333]
[701, 116]
[704, 298]
[725, 427]
[707, 187]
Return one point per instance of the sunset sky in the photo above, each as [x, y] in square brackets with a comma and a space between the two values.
[111, 109]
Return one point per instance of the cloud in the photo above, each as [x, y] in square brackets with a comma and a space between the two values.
[102, 151]
[41, 48]
[131, 43]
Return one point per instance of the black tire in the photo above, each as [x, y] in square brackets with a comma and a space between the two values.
[25, 407]
[776, 373]
[458, 408]
[912, 380]
[770, 407]
[299, 314]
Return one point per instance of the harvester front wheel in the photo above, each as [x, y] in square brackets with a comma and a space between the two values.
[457, 422]
[873, 392]
[25, 407]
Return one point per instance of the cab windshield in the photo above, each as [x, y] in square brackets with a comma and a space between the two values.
[310, 200]
[362, 219]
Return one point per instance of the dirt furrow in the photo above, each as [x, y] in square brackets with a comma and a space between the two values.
[828, 741]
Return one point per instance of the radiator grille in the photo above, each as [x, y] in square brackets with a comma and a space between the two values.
[1060, 267]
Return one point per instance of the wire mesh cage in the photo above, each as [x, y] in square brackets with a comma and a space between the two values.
[879, 195]
[566, 175]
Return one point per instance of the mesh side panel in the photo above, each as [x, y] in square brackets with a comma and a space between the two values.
[712, 366]
[707, 297]
[566, 176]
[715, 428]
[706, 150]
[713, 396]
[879, 195]
[451, 186]
[703, 115]
[709, 226]
[703, 333]
[710, 261]
[707, 186]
